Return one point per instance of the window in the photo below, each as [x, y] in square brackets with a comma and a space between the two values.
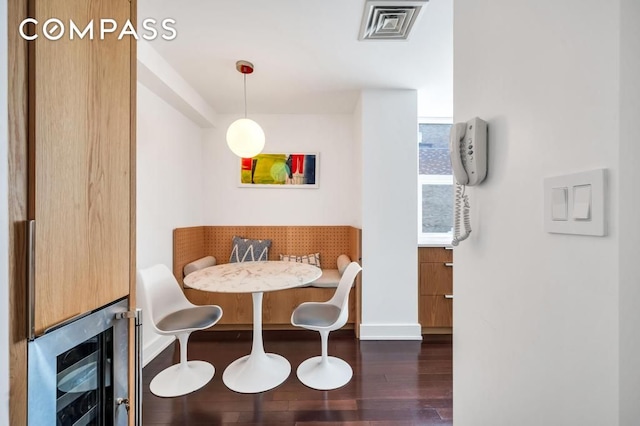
[435, 182]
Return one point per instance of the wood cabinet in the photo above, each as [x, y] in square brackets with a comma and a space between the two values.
[71, 169]
[80, 171]
[435, 275]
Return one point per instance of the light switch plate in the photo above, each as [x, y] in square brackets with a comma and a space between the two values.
[586, 193]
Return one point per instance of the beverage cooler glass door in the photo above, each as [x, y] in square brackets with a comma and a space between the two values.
[78, 371]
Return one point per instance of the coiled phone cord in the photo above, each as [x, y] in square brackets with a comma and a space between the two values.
[460, 198]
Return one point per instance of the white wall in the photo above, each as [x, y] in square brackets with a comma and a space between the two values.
[169, 187]
[629, 207]
[389, 214]
[4, 225]
[536, 314]
[334, 202]
[357, 146]
[156, 74]
[435, 99]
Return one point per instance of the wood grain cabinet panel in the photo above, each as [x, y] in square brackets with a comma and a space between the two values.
[435, 274]
[436, 311]
[436, 278]
[435, 254]
[80, 163]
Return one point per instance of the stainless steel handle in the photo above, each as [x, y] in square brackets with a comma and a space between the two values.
[137, 409]
[448, 296]
[448, 248]
[137, 363]
[31, 279]
[449, 264]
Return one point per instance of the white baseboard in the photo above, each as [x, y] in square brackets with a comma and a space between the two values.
[390, 332]
[153, 348]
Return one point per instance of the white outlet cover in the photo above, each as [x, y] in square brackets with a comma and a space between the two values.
[585, 203]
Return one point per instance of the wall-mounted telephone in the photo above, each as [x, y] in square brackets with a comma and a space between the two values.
[468, 149]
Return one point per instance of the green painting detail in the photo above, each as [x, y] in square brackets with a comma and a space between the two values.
[271, 169]
[279, 169]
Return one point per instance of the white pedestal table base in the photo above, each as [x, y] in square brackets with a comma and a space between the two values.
[252, 374]
[259, 371]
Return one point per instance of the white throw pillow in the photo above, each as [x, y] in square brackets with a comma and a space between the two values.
[311, 259]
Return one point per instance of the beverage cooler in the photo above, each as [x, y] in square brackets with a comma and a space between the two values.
[78, 372]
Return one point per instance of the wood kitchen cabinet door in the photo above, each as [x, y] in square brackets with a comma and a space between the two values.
[436, 311]
[436, 278]
[80, 161]
[435, 308]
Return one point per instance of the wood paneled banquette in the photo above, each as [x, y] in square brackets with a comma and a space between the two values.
[193, 243]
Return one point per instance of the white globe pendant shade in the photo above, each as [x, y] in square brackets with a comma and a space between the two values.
[245, 138]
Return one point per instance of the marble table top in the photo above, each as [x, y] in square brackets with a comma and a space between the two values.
[252, 277]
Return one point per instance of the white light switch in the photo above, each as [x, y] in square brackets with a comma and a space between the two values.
[582, 202]
[575, 203]
[559, 204]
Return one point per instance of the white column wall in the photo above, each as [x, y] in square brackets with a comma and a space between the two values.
[389, 215]
[334, 202]
[169, 188]
[4, 224]
[357, 161]
[629, 316]
[536, 314]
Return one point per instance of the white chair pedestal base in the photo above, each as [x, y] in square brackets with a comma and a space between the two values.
[181, 379]
[332, 374]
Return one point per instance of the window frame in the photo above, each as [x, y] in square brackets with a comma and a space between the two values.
[432, 238]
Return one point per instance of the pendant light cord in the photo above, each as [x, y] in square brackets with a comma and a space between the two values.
[245, 95]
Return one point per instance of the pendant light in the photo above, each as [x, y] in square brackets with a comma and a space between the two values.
[245, 137]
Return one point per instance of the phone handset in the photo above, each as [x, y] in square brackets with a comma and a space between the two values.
[456, 146]
[468, 150]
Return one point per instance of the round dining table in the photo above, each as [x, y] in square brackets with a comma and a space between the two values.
[259, 371]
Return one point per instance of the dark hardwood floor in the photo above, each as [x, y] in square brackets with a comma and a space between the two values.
[394, 383]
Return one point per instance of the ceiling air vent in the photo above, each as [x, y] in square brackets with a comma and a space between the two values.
[389, 20]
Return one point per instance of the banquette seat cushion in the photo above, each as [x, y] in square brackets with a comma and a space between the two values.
[329, 279]
[196, 265]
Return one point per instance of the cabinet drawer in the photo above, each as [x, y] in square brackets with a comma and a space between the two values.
[434, 254]
[436, 279]
[436, 311]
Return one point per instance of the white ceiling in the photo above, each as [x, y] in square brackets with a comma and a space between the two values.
[306, 54]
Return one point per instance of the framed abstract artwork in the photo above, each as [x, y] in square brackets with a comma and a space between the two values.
[281, 170]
